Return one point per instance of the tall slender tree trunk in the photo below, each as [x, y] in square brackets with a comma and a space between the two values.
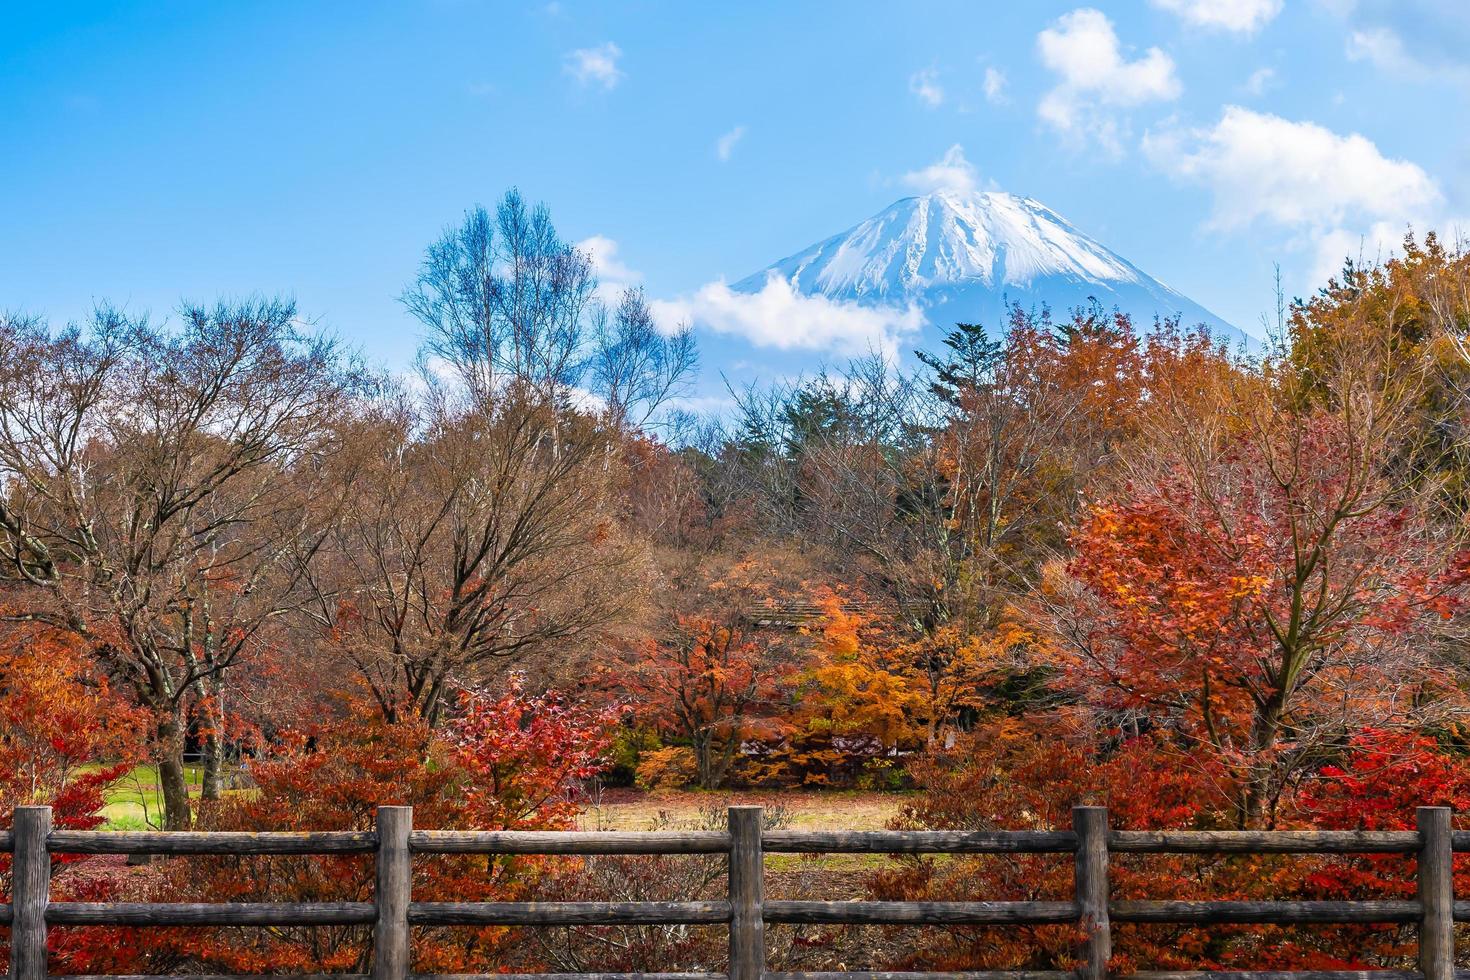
[173, 782]
[212, 777]
[1259, 788]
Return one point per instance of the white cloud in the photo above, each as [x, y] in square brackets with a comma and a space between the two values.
[1378, 242]
[1295, 174]
[704, 405]
[1384, 49]
[1333, 195]
[951, 172]
[1419, 40]
[595, 66]
[613, 274]
[725, 145]
[925, 85]
[779, 317]
[1240, 16]
[1261, 79]
[605, 261]
[1095, 75]
[995, 86]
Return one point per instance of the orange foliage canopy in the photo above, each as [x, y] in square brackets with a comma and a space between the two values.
[507, 762]
[1261, 606]
[1028, 774]
[58, 720]
[64, 738]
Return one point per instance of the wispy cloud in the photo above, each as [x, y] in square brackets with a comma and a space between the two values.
[595, 66]
[925, 85]
[1239, 16]
[1418, 40]
[1260, 81]
[613, 274]
[951, 172]
[725, 145]
[994, 86]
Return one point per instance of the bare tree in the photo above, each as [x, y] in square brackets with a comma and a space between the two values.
[489, 527]
[159, 489]
[476, 536]
[506, 301]
[634, 367]
[505, 298]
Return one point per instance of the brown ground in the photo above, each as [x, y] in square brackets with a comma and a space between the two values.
[630, 809]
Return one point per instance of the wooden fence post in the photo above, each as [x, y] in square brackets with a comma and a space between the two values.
[391, 948]
[747, 871]
[30, 889]
[1436, 893]
[1091, 826]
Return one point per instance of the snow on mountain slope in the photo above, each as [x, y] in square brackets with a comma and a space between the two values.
[963, 255]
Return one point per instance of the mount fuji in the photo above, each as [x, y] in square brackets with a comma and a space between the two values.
[962, 255]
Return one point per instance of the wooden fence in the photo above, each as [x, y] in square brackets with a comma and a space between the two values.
[746, 912]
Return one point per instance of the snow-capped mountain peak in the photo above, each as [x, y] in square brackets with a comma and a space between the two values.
[972, 252]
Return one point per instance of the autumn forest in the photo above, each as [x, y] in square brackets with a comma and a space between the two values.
[1063, 559]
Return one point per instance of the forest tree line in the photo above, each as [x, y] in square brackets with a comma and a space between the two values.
[1064, 559]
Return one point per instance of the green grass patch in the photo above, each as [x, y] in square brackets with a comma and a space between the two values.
[135, 801]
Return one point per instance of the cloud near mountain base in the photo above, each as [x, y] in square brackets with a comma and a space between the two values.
[779, 317]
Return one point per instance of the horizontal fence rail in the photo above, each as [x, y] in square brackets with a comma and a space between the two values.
[745, 912]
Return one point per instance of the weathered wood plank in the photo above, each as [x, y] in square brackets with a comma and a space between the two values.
[393, 894]
[920, 841]
[212, 976]
[209, 913]
[566, 976]
[568, 842]
[1280, 913]
[30, 888]
[567, 913]
[922, 913]
[1263, 841]
[1436, 886]
[747, 894]
[1090, 823]
[910, 975]
[1273, 975]
[210, 842]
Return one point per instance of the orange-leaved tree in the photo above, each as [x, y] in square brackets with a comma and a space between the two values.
[512, 761]
[64, 738]
[717, 673]
[1027, 774]
[1261, 603]
[854, 705]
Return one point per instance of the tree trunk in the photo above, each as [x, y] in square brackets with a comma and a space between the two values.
[172, 780]
[212, 777]
[211, 780]
[1258, 789]
[703, 756]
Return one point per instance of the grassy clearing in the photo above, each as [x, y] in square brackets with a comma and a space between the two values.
[827, 810]
[135, 802]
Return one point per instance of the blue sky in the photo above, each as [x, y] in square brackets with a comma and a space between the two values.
[157, 152]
